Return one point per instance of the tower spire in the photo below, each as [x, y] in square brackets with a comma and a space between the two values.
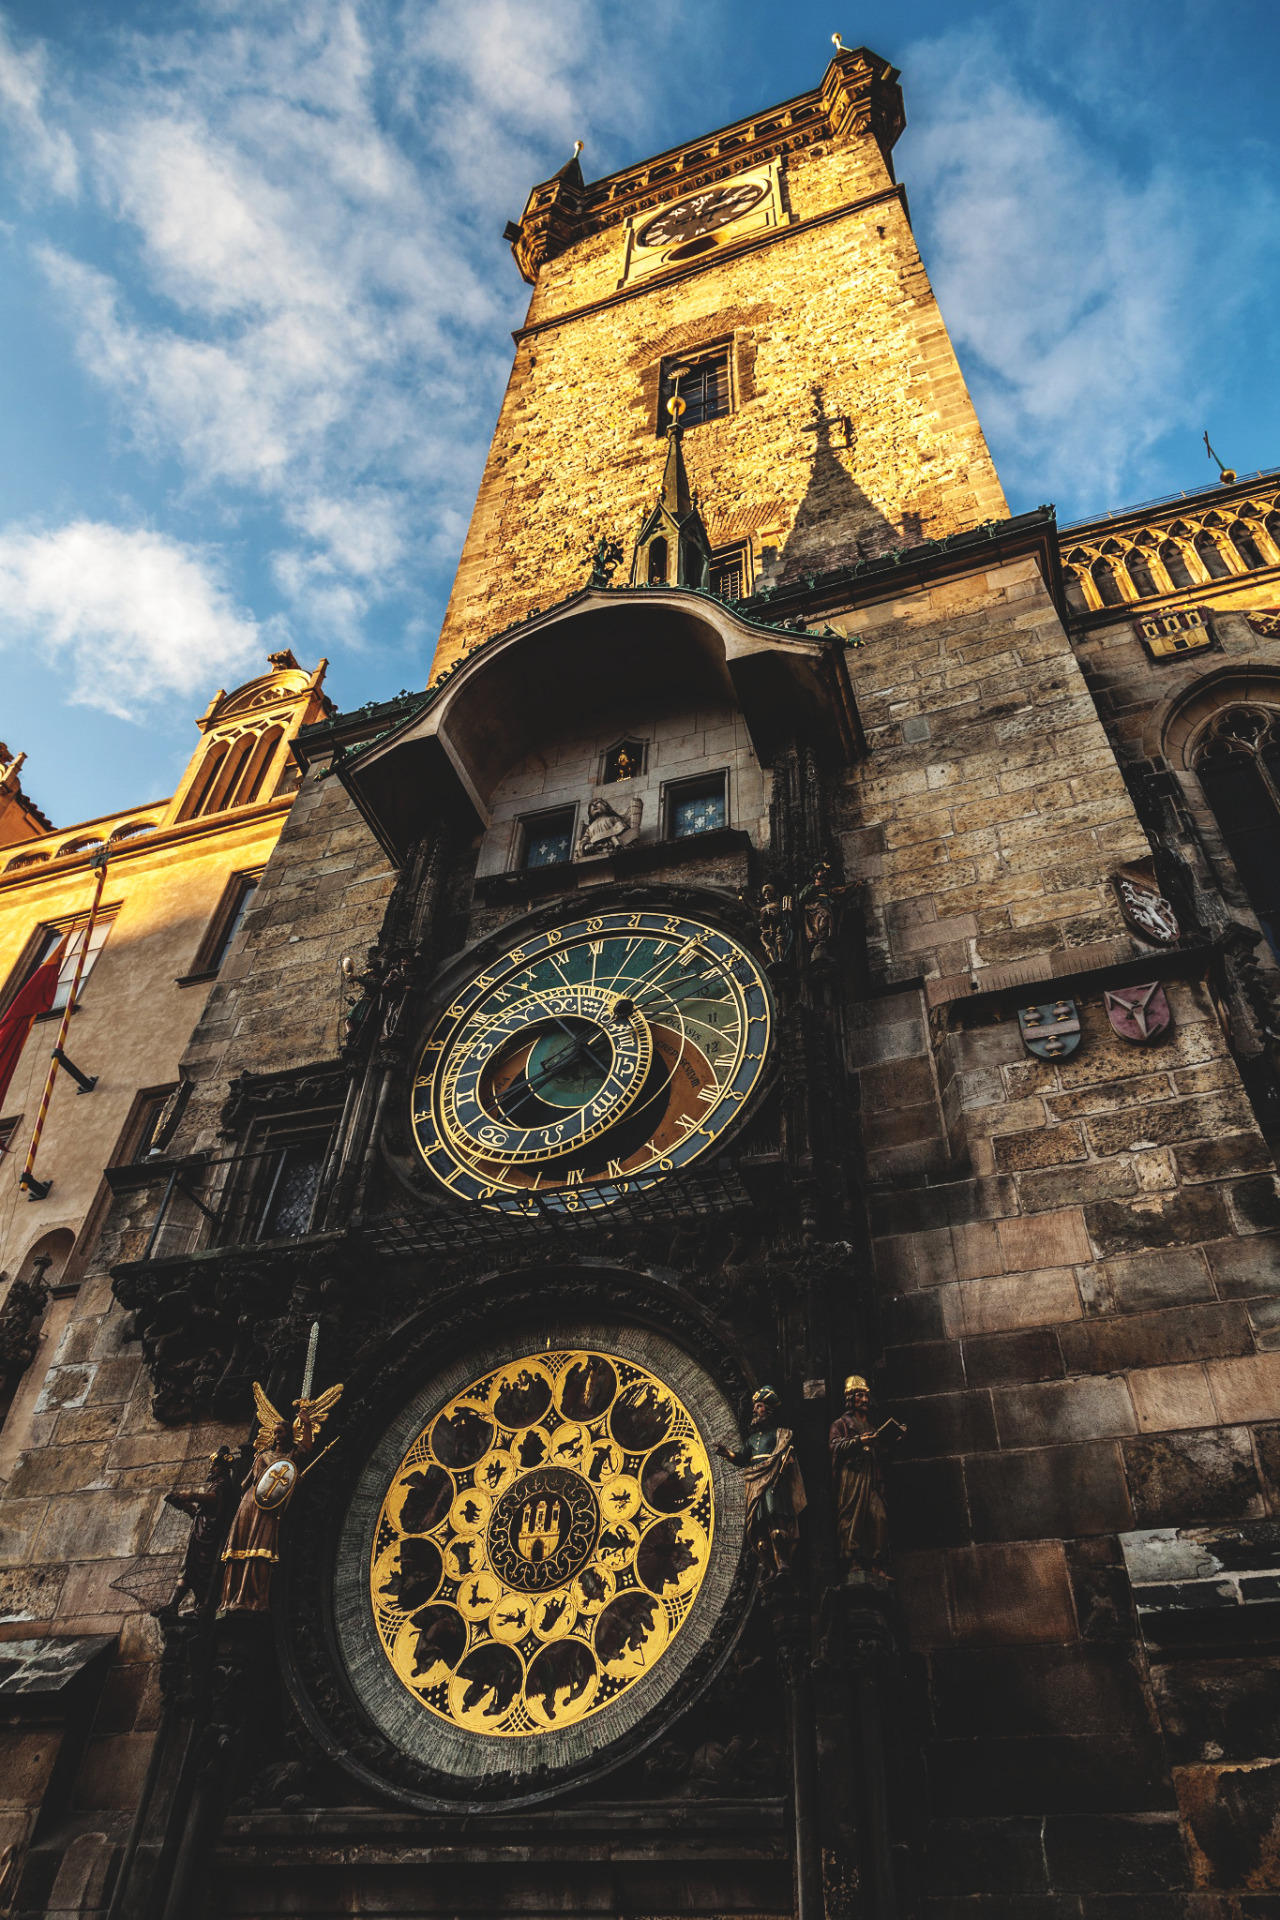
[672, 548]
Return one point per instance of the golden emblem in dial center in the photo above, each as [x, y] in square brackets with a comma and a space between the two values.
[542, 1542]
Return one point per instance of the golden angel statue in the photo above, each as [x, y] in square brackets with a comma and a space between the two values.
[280, 1449]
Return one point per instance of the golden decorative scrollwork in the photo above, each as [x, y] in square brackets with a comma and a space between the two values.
[542, 1542]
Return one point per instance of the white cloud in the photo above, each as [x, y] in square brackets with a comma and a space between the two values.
[41, 149]
[303, 296]
[1075, 294]
[132, 616]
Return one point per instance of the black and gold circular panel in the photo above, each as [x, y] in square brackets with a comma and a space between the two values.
[590, 1060]
[551, 1545]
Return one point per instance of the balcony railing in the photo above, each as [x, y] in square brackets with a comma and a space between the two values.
[250, 1198]
[237, 1201]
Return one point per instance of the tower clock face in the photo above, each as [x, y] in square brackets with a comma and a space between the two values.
[589, 1061]
[702, 213]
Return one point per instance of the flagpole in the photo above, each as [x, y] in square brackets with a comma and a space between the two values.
[38, 1188]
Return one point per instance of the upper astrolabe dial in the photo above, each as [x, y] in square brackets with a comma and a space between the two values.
[701, 213]
[589, 1061]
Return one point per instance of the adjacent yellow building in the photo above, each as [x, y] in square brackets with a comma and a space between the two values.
[181, 875]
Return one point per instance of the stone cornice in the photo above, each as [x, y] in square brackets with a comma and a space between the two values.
[858, 94]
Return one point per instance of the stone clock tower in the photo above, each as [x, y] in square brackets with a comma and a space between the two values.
[718, 1079]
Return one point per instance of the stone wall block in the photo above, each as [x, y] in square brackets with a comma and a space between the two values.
[1181, 1479]
[1049, 1413]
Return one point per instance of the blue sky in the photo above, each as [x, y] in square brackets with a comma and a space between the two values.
[255, 307]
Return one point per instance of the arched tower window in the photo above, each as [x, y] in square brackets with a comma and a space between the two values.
[1107, 584]
[1140, 573]
[238, 754]
[202, 786]
[1175, 564]
[1212, 556]
[1238, 760]
[255, 771]
[657, 563]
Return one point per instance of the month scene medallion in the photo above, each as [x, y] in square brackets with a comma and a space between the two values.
[542, 1543]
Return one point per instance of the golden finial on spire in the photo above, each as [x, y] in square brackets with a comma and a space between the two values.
[838, 43]
[1227, 475]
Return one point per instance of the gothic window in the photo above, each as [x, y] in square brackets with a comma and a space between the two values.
[292, 1176]
[1243, 541]
[731, 573]
[233, 768]
[1140, 573]
[696, 806]
[1211, 556]
[197, 799]
[546, 839]
[1175, 564]
[657, 563]
[1238, 760]
[44, 944]
[704, 385]
[249, 786]
[237, 898]
[1108, 588]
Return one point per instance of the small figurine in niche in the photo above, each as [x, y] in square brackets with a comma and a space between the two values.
[605, 830]
[605, 561]
[624, 766]
[208, 1507]
[820, 904]
[857, 1468]
[775, 1489]
[777, 933]
[280, 1448]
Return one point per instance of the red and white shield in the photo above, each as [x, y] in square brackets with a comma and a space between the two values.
[1138, 1013]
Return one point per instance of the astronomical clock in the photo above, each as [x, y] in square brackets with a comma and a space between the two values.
[590, 1060]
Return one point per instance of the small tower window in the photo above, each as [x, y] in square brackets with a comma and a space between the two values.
[696, 806]
[704, 386]
[546, 839]
[731, 573]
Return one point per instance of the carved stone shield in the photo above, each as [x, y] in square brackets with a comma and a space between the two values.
[1051, 1032]
[274, 1485]
[1144, 906]
[1138, 1014]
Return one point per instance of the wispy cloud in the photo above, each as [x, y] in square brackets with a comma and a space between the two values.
[131, 616]
[304, 297]
[40, 148]
[1075, 292]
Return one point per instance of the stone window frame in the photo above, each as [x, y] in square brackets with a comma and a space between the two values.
[686, 787]
[527, 822]
[232, 905]
[723, 348]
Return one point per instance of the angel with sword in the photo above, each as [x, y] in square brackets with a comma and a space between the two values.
[281, 1448]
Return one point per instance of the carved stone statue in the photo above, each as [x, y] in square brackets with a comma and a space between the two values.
[208, 1507]
[605, 830]
[776, 930]
[858, 1446]
[775, 1490]
[280, 1448]
[820, 903]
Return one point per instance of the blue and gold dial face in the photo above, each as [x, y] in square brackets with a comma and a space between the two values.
[590, 1061]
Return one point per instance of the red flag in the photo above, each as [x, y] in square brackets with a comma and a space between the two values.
[36, 997]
